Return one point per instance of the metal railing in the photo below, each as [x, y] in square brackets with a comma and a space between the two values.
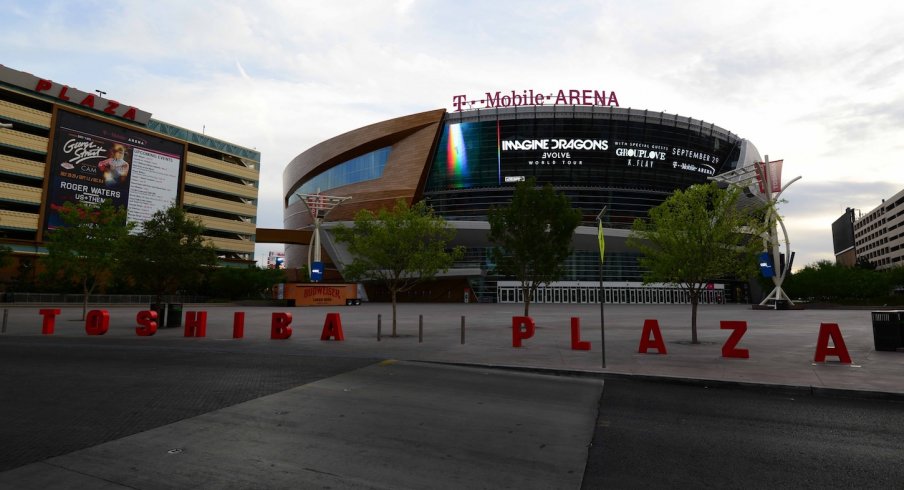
[125, 299]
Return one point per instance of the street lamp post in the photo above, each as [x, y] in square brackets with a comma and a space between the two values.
[771, 178]
[768, 177]
[319, 206]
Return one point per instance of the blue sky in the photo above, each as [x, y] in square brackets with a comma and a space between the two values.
[819, 84]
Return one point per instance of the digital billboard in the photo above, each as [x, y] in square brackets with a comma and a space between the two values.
[92, 161]
[843, 232]
[575, 152]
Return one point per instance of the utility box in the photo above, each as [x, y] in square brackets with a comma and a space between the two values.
[160, 308]
[888, 330]
[173, 315]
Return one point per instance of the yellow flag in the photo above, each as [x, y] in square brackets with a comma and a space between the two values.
[601, 239]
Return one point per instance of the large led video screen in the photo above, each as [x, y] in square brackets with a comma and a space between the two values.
[843, 232]
[92, 161]
[576, 152]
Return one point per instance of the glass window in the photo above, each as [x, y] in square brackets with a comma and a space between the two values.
[359, 169]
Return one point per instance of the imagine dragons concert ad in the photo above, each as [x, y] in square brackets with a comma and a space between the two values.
[93, 161]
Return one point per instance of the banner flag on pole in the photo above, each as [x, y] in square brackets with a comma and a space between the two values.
[601, 239]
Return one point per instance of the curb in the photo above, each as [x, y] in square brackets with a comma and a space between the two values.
[816, 391]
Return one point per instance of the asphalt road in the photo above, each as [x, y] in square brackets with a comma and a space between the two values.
[665, 435]
[196, 413]
[61, 395]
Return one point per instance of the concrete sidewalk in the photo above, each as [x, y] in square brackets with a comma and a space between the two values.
[781, 344]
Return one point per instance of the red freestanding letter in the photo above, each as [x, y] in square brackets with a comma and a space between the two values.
[195, 324]
[49, 320]
[332, 327]
[517, 334]
[651, 327]
[729, 348]
[827, 330]
[148, 321]
[238, 325]
[576, 342]
[279, 327]
[97, 322]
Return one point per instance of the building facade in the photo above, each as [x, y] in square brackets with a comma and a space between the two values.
[59, 144]
[876, 236]
[464, 163]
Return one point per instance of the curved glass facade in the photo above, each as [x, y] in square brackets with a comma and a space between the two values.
[627, 165]
[359, 169]
[627, 160]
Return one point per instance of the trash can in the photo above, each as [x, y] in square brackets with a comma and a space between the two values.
[161, 313]
[888, 330]
[174, 315]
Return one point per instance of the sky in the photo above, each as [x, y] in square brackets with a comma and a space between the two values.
[818, 84]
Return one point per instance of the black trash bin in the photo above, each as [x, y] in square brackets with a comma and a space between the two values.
[174, 315]
[888, 330]
[160, 308]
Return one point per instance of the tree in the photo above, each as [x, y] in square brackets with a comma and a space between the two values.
[87, 248]
[244, 282]
[827, 281]
[6, 254]
[399, 248]
[698, 235]
[865, 264]
[169, 253]
[533, 236]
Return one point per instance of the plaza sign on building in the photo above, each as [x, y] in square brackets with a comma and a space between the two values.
[530, 97]
[72, 95]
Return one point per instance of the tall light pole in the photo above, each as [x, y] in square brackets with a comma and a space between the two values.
[319, 206]
[768, 177]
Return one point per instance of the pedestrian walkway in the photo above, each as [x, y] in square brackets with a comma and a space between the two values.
[781, 344]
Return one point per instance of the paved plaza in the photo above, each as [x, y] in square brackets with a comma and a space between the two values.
[781, 344]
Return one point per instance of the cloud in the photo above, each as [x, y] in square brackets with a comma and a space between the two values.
[832, 198]
[812, 207]
[816, 84]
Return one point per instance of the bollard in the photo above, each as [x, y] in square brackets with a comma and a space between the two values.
[5, 315]
[462, 330]
[379, 322]
[420, 328]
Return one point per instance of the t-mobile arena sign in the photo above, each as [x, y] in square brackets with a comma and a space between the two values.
[514, 98]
